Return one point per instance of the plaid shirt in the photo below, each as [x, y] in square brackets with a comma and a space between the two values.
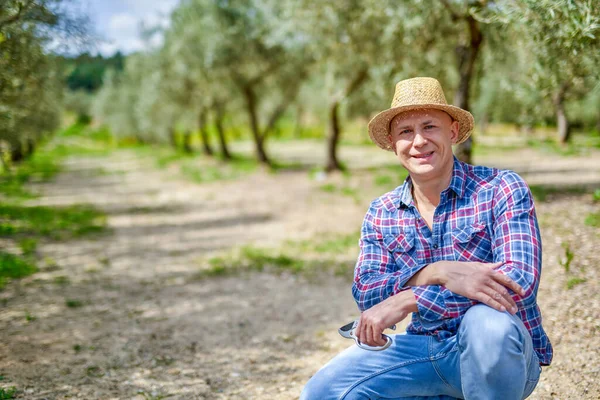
[485, 215]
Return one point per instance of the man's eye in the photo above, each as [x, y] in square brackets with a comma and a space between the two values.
[405, 131]
[429, 126]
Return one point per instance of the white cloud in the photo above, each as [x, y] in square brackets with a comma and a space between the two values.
[124, 28]
[145, 7]
[123, 24]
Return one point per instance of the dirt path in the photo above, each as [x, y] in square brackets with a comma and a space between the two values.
[148, 328]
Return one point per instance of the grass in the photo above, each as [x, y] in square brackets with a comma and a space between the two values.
[195, 169]
[26, 225]
[14, 267]
[544, 192]
[8, 393]
[343, 190]
[574, 281]
[73, 303]
[569, 255]
[593, 219]
[58, 223]
[296, 257]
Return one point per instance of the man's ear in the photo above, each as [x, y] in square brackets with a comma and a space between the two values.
[454, 130]
[392, 144]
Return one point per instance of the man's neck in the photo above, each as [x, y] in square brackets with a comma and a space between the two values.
[426, 193]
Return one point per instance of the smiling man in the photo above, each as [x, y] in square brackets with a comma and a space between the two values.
[456, 245]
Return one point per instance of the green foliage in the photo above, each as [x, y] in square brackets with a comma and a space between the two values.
[235, 169]
[337, 245]
[7, 393]
[28, 246]
[543, 192]
[593, 219]
[40, 167]
[596, 196]
[569, 255]
[574, 281]
[14, 267]
[252, 259]
[343, 190]
[86, 72]
[306, 257]
[30, 89]
[73, 303]
[52, 222]
[29, 317]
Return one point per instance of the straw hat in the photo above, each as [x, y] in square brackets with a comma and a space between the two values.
[417, 94]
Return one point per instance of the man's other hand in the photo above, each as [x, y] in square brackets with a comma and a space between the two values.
[479, 281]
[376, 319]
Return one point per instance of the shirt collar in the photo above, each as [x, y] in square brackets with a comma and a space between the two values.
[403, 193]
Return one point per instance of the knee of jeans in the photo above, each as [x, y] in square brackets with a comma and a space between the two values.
[489, 327]
[318, 387]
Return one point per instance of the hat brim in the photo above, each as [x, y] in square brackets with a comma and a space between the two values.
[379, 126]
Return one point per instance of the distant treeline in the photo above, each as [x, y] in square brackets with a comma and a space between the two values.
[253, 65]
[85, 72]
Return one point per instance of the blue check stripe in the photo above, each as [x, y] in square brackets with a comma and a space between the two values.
[485, 215]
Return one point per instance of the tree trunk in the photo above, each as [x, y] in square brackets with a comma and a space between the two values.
[16, 153]
[221, 133]
[467, 57]
[5, 162]
[298, 126]
[206, 147]
[187, 142]
[333, 138]
[256, 135]
[334, 123]
[173, 138]
[483, 123]
[562, 122]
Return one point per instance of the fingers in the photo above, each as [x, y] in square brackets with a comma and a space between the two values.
[505, 280]
[501, 295]
[369, 333]
[378, 339]
[497, 299]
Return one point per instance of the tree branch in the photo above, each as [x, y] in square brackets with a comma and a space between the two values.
[454, 15]
[14, 18]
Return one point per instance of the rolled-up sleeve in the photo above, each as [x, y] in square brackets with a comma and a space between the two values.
[516, 234]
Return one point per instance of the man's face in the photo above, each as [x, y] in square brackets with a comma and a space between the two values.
[422, 141]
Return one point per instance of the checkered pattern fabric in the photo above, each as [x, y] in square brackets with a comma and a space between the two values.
[485, 215]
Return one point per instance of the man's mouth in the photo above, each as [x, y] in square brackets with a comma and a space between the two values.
[424, 155]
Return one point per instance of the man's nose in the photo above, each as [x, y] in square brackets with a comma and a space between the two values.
[419, 139]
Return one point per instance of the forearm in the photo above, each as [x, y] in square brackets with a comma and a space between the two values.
[428, 275]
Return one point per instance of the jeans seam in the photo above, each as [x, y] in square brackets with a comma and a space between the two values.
[395, 366]
[437, 357]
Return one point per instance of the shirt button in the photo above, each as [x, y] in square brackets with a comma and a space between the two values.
[435, 246]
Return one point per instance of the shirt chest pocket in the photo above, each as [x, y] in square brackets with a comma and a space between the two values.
[472, 243]
[402, 248]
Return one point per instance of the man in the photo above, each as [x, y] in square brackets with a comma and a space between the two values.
[456, 245]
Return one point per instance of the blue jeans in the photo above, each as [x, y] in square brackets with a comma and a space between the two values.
[490, 357]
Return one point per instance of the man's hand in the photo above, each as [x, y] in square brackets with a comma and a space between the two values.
[478, 281]
[376, 319]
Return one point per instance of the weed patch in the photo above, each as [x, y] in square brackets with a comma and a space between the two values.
[8, 393]
[73, 303]
[297, 257]
[14, 267]
[593, 219]
[572, 282]
[543, 192]
[52, 222]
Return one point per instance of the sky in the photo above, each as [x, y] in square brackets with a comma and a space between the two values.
[117, 22]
